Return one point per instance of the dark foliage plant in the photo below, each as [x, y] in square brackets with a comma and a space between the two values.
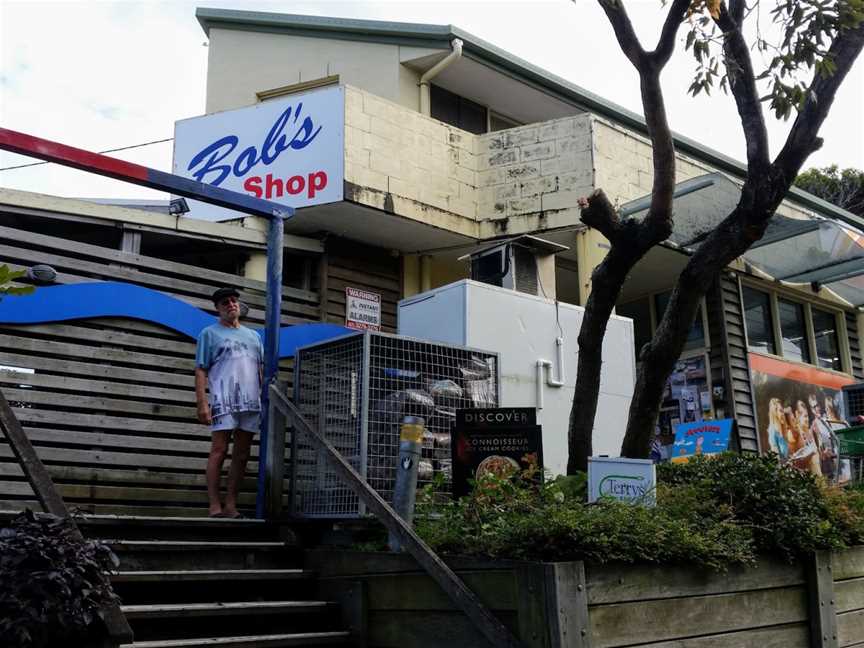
[713, 513]
[52, 583]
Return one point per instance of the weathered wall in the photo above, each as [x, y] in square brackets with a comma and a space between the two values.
[242, 63]
[415, 166]
[531, 176]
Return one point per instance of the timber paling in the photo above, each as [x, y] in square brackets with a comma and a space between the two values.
[199, 582]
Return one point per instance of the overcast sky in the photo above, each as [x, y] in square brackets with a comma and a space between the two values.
[104, 75]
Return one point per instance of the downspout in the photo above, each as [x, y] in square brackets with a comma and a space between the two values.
[544, 373]
[452, 57]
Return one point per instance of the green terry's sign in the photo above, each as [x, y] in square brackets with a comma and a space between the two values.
[627, 480]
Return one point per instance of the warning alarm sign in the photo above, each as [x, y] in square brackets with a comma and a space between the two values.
[362, 310]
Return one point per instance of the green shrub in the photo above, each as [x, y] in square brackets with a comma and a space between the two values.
[512, 518]
[52, 585]
[712, 513]
[787, 509]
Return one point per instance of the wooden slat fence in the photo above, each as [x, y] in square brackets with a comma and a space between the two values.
[109, 403]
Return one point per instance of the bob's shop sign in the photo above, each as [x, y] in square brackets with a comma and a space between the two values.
[290, 151]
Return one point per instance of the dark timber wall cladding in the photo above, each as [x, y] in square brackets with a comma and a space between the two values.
[735, 350]
[855, 349]
[351, 264]
[109, 404]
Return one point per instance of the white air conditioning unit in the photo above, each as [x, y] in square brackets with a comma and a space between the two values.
[517, 264]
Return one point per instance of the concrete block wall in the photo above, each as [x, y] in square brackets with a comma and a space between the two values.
[625, 169]
[397, 151]
[517, 180]
[532, 175]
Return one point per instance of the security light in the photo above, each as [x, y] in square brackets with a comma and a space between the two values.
[178, 206]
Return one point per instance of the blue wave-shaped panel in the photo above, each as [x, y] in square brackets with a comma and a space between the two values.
[117, 299]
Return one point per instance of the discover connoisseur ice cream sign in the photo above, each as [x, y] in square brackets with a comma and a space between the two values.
[288, 150]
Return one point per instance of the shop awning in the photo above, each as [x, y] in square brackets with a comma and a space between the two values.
[805, 248]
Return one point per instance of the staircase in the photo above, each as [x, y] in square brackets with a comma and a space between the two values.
[195, 582]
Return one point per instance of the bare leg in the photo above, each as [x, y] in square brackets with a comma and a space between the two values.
[218, 450]
[239, 457]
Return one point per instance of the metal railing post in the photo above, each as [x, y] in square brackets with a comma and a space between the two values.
[405, 490]
[273, 315]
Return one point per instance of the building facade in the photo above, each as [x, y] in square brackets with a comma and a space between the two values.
[450, 142]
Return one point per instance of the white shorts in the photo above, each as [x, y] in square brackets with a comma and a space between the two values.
[246, 421]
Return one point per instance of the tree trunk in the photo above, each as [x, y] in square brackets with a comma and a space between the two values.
[606, 283]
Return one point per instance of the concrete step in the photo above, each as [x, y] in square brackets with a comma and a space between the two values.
[190, 545]
[178, 555]
[244, 608]
[220, 575]
[296, 640]
[143, 527]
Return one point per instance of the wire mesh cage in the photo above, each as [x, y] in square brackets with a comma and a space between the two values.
[357, 389]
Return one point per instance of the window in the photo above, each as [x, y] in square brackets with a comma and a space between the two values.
[827, 344]
[757, 319]
[300, 271]
[645, 322]
[696, 336]
[793, 331]
[452, 109]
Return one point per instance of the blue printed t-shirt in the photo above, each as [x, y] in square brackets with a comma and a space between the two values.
[232, 357]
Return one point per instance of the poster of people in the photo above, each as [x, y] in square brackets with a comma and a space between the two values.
[797, 410]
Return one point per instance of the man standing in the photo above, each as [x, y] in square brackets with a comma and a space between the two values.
[228, 363]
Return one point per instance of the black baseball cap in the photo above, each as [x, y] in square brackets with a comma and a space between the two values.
[222, 293]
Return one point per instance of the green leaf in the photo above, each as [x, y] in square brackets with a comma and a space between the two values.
[19, 290]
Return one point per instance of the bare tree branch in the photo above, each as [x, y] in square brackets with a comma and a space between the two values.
[598, 212]
[666, 45]
[627, 39]
[803, 137]
[659, 218]
[742, 81]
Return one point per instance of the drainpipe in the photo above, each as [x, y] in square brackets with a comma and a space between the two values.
[452, 57]
[544, 373]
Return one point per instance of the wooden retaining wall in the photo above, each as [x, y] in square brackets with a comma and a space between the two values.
[557, 605]
[109, 403]
[847, 571]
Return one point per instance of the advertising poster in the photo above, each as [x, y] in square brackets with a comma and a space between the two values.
[703, 438]
[797, 409]
[289, 150]
[362, 310]
[500, 441]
